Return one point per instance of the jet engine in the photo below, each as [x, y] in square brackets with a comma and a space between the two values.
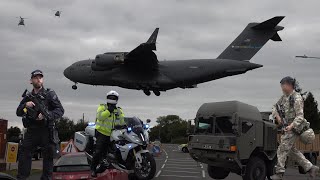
[107, 61]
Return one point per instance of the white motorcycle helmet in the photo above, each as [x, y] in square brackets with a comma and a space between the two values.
[112, 97]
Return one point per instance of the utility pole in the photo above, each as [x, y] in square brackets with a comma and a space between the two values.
[83, 118]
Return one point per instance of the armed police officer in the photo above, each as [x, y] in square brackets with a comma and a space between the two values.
[108, 116]
[38, 110]
[288, 112]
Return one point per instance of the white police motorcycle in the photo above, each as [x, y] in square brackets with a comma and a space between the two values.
[128, 152]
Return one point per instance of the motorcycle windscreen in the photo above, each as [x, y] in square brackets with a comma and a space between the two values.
[136, 125]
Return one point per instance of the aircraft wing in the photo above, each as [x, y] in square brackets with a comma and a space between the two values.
[144, 52]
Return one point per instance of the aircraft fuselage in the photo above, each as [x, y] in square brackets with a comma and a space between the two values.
[168, 75]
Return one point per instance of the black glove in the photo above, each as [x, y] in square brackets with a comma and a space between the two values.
[111, 108]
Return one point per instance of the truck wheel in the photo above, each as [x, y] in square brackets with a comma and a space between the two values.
[217, 172]
[256, 169]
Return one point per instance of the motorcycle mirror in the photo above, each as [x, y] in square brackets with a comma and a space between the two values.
[148, 120]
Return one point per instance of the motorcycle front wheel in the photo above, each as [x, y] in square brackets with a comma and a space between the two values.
[148, 169]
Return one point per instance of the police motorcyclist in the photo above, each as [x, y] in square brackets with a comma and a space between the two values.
[108, 115]
[38, 132]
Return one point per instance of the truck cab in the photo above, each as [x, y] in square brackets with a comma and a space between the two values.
[234, 137]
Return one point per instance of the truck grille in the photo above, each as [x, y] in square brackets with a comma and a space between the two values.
[270, 139]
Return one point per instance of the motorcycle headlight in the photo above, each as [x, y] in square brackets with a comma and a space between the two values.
[146, 126]
[91, 124]
[129, 129]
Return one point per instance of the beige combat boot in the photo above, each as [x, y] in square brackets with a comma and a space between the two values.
[278, 176]
[313, 171]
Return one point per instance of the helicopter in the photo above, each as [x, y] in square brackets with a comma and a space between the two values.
[21, 22]
[58, 13]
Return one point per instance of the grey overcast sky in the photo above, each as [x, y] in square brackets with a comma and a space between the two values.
[188, 29]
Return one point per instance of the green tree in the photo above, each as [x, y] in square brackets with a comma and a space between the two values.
[65, 128]
[311, 112]
[13, 134]
[169, 128]
[80, 126]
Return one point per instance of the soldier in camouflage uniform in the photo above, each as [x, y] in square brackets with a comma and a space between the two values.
[292, 104]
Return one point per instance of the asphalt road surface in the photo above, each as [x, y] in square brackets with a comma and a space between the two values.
[173, 164]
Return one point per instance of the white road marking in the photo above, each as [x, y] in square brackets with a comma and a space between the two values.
[163, 166]
[178, 168]
[175, 164]
[158, 174]
[165, 152]
[180, 176]
[167, 157]
[166, 161]
[184, 160]
[182, 172]
[203, 174]
[201, 166]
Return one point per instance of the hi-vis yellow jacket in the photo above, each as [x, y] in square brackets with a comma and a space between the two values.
[105, 121]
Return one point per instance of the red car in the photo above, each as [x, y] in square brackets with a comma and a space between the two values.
[76, 166]
[72, 166]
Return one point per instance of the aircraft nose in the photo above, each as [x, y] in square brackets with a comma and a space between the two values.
[67, 72]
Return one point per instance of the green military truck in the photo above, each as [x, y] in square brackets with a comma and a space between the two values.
[234, 137]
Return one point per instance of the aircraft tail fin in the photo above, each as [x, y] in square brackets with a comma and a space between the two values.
[252, 39]
[153, 39]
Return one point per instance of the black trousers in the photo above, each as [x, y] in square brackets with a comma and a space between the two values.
[33, 138]
[102, 147]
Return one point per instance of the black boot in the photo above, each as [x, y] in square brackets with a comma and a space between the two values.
[93, 173]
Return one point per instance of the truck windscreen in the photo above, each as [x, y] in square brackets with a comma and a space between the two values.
[220, 125]
[223, 125]
[204, 125]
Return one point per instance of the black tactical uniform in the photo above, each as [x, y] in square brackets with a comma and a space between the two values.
[38, 134]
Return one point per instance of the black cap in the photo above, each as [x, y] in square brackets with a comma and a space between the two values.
[36, 72]
[288, 80]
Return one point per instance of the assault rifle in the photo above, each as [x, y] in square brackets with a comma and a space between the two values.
[281, 113]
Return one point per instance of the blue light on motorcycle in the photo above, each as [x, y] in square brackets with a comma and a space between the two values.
[129, 129]
[146, 126]
[91, 124]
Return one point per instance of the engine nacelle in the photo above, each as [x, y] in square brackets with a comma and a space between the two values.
[107, 61]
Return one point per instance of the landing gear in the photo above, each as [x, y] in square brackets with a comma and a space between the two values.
[157, 93]
[74, 87]
[147, 92]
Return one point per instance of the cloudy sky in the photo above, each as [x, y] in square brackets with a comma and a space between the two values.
[188, 29]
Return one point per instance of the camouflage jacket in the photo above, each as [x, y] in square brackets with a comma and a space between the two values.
[293, 107]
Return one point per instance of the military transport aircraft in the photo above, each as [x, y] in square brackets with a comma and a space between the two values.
[140, 69]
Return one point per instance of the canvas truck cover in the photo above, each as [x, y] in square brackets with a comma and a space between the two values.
[228, 108]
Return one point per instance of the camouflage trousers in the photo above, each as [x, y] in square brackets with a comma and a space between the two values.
[286, 148]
